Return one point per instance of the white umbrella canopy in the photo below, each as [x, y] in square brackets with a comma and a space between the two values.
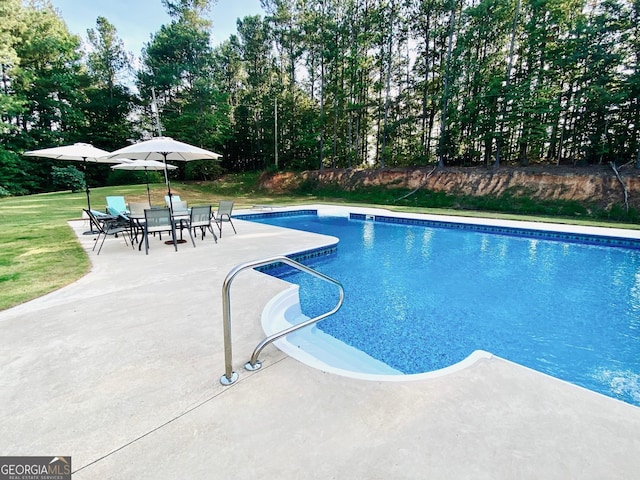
[164, 148]
[145, 165]
[79, 152]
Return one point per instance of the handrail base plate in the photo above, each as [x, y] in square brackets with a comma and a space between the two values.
[252, 367]
[224, 380]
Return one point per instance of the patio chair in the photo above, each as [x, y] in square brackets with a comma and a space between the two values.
[107, 225]
[136, 214]
[200, 217]
[116, 205]
[158, 220]
[180, 208]
[136, 209]
[224, 215]
[174, 199]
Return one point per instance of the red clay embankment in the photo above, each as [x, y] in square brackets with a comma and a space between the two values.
[584, 185]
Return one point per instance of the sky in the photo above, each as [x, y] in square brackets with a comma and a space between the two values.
[136, 20]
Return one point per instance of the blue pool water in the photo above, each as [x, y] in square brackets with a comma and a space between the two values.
[421, 298]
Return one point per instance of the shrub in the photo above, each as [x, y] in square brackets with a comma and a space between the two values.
[203, 170]
[308, 186]
[68, 178]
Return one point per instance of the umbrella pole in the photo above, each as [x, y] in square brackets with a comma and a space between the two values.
[86, 184]
[146, 172]
[166, 173]
[88, 196]
[91, 231]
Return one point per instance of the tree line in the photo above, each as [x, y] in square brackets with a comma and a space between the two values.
[332, 84]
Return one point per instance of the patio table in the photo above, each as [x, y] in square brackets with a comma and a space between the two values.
[177, 218]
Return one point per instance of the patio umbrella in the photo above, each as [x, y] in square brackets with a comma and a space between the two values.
[145, 165]
[164, 148]
[79, 152]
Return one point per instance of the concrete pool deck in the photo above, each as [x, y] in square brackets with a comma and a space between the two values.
[121, 371]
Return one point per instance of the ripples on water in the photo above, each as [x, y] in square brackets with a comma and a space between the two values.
[420, 298]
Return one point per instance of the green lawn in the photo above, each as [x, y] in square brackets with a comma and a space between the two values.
[39, 252]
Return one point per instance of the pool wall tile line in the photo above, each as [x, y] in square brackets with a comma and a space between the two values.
[298, 256]
[517, 232]
[587, 239]
[301, 257]
[287, 213]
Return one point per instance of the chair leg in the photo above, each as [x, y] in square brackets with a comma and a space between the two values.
[212, 233]
[131, 234]
[192, 240]
[203, 231]
[221, 220]
[104, 237]
[96, 242]
[134, 234]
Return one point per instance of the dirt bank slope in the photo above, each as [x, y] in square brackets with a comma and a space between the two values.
[597, 185]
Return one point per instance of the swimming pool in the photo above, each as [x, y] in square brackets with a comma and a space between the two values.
[423, 295]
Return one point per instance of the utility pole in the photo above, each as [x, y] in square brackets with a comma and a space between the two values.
[154, 110]
[275, 108]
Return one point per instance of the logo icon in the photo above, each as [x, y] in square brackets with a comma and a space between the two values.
[35, 468]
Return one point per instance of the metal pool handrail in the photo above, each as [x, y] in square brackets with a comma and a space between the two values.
[230, 376]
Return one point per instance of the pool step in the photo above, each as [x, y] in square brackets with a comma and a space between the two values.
[337, 354]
